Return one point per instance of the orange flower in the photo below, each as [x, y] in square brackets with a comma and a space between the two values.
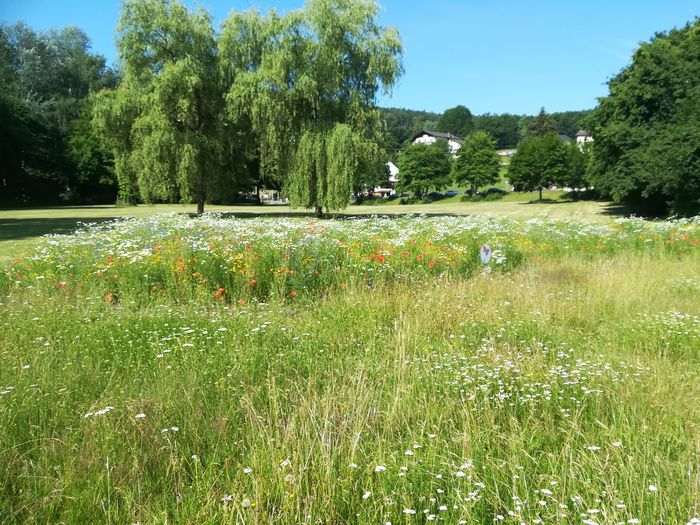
[108, 297]
[293, 293]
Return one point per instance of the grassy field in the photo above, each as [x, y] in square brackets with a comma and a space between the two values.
[21, 229]
[171, 370]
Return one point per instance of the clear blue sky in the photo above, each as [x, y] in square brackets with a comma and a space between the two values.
[491, 56]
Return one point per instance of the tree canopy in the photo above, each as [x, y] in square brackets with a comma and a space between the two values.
[47, 154]
[542, 124]
[308, 82]
[504, 128]
[165, 120]
[645, 150]
[423, 168]
[539, 162]
[457, 120]
[477, 163]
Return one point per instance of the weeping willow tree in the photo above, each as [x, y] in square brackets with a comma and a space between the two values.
[165, 120]
[307, 82]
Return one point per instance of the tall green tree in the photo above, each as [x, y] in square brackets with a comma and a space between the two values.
[542, 124]
[570, 122]
[477, 163]
[308, 83]
[165, 120]
[645, 150]
[457, 120]
[45, 82]
[539, 162]
[423, 168]
[578, 157]
[504, 128]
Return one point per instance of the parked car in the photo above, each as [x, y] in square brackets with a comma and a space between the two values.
[434, 196]
[499, 191]
[451, 193]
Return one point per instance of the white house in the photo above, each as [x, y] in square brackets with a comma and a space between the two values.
[393, 172]
[582, 137]
[508, 152]
[431, 137]
[393, 179]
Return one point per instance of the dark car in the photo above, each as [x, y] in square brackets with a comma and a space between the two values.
[451, 193]
[498, 191]
[434, 196]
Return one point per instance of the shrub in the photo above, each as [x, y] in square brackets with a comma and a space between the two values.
[494, 196]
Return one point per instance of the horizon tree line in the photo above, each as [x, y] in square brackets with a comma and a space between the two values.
[289, 101]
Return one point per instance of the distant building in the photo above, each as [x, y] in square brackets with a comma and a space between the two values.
[431, 137]
[393, 172]
[387, 189]
[565, 138]
[583, 137]
[508, 152]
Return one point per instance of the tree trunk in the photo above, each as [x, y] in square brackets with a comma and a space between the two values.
[473, 188]
[540, 188]
[319, 212]
[200, 204]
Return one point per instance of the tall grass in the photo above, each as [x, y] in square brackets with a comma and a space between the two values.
[215, 259]
[562, 389]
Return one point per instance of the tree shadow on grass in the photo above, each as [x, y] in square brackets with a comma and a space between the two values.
[610, 209]
[617, 210]
[17, 229]
[258, 215]
[60, 207]
[547, 201]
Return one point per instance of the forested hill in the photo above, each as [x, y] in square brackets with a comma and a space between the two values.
[506, 128]
[402, 124]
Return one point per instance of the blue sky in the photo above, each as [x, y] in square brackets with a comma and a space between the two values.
[491, 56]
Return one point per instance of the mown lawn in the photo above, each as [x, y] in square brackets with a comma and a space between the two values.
[21, 229]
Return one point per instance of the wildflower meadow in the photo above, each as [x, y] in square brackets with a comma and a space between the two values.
[366, 370]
